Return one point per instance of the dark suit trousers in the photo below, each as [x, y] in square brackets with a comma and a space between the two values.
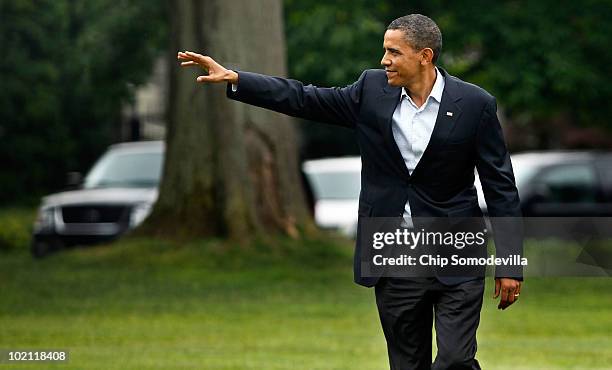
[407, 308]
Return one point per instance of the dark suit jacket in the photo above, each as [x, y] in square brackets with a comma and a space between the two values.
[442, 184]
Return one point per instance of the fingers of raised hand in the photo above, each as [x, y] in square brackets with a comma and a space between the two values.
[216, 72]
[181, 55]
[189, 63]
[205, 79]
[202, 59]
[194, 57]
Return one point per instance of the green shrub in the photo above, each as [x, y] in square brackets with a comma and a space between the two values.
[16, 228]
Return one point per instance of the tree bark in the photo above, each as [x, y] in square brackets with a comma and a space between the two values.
[230, 170]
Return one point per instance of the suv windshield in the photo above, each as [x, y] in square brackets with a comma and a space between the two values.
[125, 169]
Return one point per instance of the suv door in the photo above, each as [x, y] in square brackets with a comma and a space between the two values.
[603, 165]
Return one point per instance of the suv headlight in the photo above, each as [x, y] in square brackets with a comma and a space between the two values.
[45, 219]
[139, 213]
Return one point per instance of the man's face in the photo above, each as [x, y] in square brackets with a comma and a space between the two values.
[402, 63]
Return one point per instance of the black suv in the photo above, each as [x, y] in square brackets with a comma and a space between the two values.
[562, 183]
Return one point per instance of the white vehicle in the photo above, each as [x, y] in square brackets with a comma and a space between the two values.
[335, 183]
[553, 184]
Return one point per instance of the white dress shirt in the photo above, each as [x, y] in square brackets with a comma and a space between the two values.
[412, 126]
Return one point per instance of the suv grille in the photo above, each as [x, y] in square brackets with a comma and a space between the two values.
[93, 214]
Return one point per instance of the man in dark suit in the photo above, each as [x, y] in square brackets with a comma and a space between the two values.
[421, 133]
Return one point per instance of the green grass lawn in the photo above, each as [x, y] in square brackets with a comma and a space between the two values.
[146, 304]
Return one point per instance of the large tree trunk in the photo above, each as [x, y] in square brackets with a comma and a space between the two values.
[230, 169]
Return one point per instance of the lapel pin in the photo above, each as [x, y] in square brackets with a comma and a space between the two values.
[450, 114]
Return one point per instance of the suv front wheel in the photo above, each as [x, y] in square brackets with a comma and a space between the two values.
[42, 248]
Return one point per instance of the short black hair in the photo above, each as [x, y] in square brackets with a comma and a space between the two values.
[421, 32]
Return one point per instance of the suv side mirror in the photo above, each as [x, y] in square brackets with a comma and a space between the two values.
[74, 180]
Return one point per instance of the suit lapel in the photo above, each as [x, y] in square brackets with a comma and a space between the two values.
[448, 114]
[388, 101]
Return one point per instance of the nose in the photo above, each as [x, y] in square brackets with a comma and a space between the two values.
[385, 61]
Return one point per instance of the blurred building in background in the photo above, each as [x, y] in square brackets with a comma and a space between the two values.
[145, 118]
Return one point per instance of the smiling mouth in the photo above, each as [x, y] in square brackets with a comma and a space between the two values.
[390, 72]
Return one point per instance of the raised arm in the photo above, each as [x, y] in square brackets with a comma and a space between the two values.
[339, 106]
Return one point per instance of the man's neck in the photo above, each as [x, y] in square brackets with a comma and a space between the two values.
[420, 89]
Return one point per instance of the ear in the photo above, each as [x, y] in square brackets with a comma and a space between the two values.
[426, 56]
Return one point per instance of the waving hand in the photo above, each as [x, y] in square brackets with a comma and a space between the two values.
[216, 72]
